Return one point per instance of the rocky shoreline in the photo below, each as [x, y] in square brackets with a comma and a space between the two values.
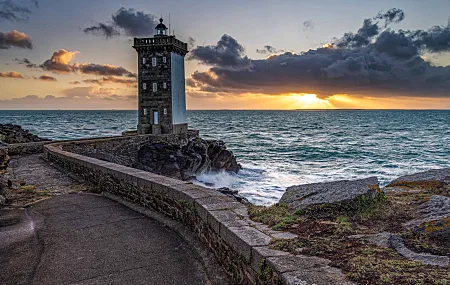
[393, 235]
[389, 235]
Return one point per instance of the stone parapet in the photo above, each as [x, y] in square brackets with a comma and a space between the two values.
[240, 245]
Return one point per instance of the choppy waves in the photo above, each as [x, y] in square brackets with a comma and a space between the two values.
[278, 149]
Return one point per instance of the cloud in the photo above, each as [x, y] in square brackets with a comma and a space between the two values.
[394, 15]
[111, 79]
[15, 39]
[26, 62]
[61, 63]
[374, 62]
[102, 30]
[12, 11]
[191, 42]
[125, 22]
[308, 25]
[227, 53]
[269, 50]
[46, 78]
[11, 74]
[104, 70]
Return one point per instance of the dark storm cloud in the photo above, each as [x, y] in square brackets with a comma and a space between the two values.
[13, 11]
[374, 62]
[15, 39]
[308, 25]
[394, 15]
[227, 53]
[101, 29]
[125, 22]
[269, 50]
[370, 29]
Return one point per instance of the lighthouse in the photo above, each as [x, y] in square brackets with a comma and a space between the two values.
[161, 83]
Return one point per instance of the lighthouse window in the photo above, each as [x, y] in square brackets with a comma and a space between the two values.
[165, 85]
[165, 111]
[144, 86]
[145, 111]
[164, 59]
[153, 61]
[143, 60]
[155, 87]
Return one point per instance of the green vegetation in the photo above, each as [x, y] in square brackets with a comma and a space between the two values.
[326, 231]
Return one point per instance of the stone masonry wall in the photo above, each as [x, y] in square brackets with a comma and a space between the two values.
[221, 223]
[122, 150]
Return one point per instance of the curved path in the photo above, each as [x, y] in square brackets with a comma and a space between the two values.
[89, 239]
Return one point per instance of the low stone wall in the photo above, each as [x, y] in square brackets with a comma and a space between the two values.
[26, 148]
[218, 221]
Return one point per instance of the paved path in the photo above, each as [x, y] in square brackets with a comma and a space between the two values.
[88, 239]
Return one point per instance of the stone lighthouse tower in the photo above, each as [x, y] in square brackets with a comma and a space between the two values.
[161, 83]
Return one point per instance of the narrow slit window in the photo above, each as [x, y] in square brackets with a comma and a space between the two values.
[144, 86]
[165, 85]
[143, 60]
[153, 61]
[164, 59]
[155, 87]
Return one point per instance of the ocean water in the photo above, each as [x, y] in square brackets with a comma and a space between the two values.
[278, 149]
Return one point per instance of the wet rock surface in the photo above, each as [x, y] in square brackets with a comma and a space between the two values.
[12, 134]
[186, 160]
[303, 196]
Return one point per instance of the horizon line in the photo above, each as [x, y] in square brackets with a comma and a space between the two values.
[343, 109]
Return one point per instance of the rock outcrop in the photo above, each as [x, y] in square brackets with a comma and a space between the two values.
[396, 243]
[4, 158]
[434, 177]
[187, 160]
[11, 134]
[433, 216]
[337, 193]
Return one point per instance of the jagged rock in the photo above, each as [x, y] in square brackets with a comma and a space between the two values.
[233, 193]
[433, 216]
[11, 134]
[338, 192]
[434, 177]
[2, 200]
[4, 158]
[186, 160]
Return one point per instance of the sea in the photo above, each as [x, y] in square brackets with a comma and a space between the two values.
[278, 149]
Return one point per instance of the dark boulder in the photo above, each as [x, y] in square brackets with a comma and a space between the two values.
[184, 161]
[11, 134]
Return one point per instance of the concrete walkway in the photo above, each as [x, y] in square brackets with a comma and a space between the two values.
[89, 239]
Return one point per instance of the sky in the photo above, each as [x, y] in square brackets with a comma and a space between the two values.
[254, 54]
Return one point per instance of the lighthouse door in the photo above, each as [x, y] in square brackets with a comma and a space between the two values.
[155, 118]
